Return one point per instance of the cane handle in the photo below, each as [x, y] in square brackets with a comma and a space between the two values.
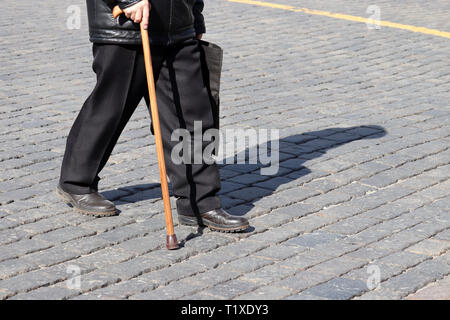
[117, 12]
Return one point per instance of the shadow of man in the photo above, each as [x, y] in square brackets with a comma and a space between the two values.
[294, 151]
[240, 179]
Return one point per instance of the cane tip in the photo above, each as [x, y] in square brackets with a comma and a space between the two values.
[172, 242]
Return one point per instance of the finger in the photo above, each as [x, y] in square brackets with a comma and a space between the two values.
[133, 15]
[138, 16]
[145, 17]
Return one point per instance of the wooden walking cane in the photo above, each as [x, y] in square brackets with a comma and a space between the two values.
[171, 239]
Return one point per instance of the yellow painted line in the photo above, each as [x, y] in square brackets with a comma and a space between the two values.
[347, 17]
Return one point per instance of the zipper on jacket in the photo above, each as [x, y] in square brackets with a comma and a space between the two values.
[170, 22]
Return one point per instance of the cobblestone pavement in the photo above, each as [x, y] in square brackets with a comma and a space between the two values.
[363, 190]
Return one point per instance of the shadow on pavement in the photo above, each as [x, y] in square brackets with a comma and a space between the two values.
[302, 147]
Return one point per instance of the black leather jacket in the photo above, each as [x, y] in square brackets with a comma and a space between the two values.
[171, 21]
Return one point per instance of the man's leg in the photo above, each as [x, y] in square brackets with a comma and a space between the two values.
[182, 99]
[120, 87]
[138, 90]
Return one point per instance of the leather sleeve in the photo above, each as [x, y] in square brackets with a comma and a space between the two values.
[199, 22]
[126, 3]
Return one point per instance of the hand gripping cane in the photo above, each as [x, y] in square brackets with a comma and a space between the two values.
[171, 239]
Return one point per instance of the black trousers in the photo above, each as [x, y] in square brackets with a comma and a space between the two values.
[183, 97]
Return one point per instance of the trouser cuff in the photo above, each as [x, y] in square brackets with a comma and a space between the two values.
[75, 189]
[186, 208]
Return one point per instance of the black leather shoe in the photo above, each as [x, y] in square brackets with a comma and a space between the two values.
[217, 219]
[92, 203]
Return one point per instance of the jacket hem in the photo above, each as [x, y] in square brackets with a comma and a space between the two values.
[134, 37]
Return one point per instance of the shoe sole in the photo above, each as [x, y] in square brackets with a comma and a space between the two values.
[192, 221]
[71, 203]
